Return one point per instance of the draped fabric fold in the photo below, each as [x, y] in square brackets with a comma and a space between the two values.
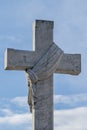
[44, 68]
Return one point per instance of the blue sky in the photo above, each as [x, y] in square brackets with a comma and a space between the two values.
[70, 34]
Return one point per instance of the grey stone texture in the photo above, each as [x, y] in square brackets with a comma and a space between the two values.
[40, 64]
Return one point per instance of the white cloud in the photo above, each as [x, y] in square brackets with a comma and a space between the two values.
[74, 100]
[63, 119]
[71, 100]
[13, 120]
[20, 101]
[71, 119]
[6, 112]
[16, 119]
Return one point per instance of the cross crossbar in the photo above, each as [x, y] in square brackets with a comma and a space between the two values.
[20, 60]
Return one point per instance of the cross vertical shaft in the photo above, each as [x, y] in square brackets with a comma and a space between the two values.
[42, 113]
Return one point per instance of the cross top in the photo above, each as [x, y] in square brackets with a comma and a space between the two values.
[42, 33]
[40, 64]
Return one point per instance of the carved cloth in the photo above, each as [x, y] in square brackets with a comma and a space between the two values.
[44, 68]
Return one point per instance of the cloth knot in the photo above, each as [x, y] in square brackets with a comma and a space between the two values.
[31, 75]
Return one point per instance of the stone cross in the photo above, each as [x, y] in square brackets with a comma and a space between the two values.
[40, 64]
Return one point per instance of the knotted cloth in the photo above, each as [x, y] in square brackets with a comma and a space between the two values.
[44, 68]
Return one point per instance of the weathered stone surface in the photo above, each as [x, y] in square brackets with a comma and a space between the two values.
[43, 111]
[70, 64]
[42, 35]
[19, 59]
[40, 64]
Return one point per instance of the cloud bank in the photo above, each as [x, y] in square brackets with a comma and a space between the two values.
[67, 119]
[63, 120]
